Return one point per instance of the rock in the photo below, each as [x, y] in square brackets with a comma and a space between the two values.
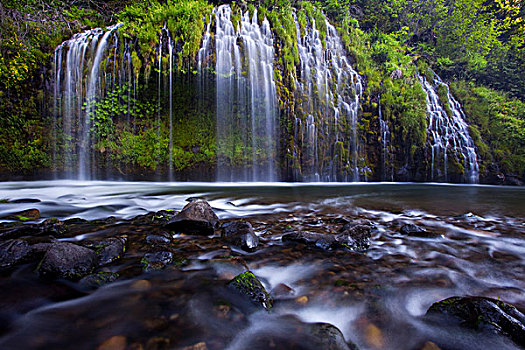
[417, 231]
[67, 260]
[13, 252]
[198, 346]
[53, 226]
[109, 250]
[197, 217]
[241, 234]
[282, 290]
[329, 337]
[303, 300]
[157, 239]
[323, 241]
[97, 280]
[117, 342]
[482, 313]
[22, 231]
[247, 284]
[355, 238]
[156, 261]
[25, 215]
[430, 346]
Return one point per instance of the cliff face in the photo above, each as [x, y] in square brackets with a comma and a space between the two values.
[186, 91]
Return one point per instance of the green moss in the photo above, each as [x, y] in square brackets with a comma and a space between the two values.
[247, 284]
[442, 92]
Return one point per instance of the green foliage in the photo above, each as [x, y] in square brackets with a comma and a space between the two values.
[498, 125]
[183, 19]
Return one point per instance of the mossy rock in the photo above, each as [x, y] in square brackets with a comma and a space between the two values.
[247, 284]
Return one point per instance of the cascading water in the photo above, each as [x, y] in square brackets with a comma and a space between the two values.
[447, 133]
[328, 90]
[387, 171]
[75, 95]
[245, 96]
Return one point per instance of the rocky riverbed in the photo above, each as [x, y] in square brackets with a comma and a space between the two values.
[308, 279]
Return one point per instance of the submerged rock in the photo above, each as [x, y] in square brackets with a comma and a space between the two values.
[241, 234]
[482, 313]
[98, 279]
[67, 260]
[354, 238]
[417, 231]
[197, 217]
[247, 284]
[156, 261]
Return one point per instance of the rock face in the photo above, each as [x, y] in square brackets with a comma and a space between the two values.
[197, 217]
[241, 234]
[484, 314]
[67, 260]
[247, 284]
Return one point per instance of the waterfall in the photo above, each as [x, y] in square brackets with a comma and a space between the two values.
[387, 171]
[328, 90]
[245, 96]
[447, 133]
[75, 95]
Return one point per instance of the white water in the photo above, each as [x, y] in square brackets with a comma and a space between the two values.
[330, 90]
[448, 134]
[245, 96]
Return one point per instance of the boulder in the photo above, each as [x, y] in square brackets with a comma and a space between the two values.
[67, 260]
[329, 337]
[197, 217]
[25, 215]
[241, 234]
[248, 285]
[482, 313]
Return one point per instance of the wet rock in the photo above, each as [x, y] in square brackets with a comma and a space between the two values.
[482, 313]
[197, 217]
[25, 200]
[157, 239]
[25, 215]
[53, 227]
[329, 337]
[355, 238]
[198, 346]
[67, 260]
[117, 342]
[156, 261]
[417, 231]
[13, 252]
[98, 279]
[108, 250]
[323, 241]
[241, 234]
[21, 231]
[247, 284]
[282, 290]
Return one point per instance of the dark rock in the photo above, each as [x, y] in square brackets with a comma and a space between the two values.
[109, 250]
[329, 337]
[247, 284]
[98, 279]
[241, 234]
[25, 215]
[512, 180]
[356, 237]
[25, 200]
[323, 241]
[67, 260]
[156, 261]
[482, 313]
[53, 227]
[197, 217]
[21, 231]
[283, 291]
[157, 239]
[13, 252]
[417, 231]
